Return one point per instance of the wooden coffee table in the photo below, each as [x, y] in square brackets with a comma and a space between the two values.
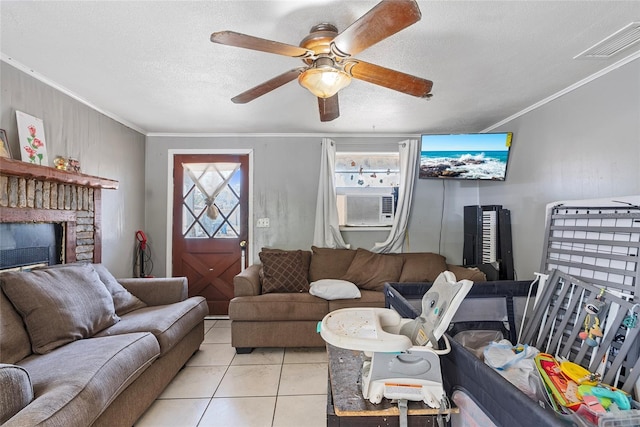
[347, 407]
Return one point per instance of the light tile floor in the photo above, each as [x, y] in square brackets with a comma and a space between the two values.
[271, 387]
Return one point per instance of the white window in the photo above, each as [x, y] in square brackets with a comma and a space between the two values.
[367, 188]
[364, 170]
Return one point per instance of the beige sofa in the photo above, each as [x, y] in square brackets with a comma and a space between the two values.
[272, 306]
[78, 348]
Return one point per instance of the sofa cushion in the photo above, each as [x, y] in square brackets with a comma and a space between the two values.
[284, 271]
[16, 390]
[367, 299]
[168, 323]
[328, 263]
[14, 339]
[74, 383]
[371, 271]
[123, 300]
[276, 307]
[60, 305]
[331, 289]
[422, 266]
[470, 273]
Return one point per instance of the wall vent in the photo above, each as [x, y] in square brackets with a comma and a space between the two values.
[616, 42]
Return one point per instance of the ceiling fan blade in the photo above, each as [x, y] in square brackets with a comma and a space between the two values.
[329, 108]
[231, 38]
[267, 86]
[391, 79]
[385, 19]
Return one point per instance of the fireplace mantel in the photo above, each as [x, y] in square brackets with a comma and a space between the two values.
[29, 170]
[34, 193]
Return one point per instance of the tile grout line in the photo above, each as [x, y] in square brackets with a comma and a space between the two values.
[219, 383]
[275, 405]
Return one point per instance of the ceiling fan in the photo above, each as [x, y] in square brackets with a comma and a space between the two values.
[328, 57]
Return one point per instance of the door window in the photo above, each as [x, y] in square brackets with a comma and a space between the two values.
[211, 200]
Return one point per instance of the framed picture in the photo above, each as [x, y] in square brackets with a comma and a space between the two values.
[33, 147]
[5, 151]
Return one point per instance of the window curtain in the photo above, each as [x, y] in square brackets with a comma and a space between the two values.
[408, 164]
[327, 231]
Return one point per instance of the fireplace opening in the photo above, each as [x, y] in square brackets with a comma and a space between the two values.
[24, 245]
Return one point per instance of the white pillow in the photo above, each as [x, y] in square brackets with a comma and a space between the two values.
[331, 289]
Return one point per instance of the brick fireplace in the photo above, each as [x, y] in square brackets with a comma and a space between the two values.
[38, 194]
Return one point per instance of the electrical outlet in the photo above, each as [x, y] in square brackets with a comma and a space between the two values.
[262, 223]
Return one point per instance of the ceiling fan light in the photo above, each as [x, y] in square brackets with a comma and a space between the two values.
[324, 82]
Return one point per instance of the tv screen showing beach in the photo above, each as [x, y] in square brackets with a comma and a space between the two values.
[465, 156]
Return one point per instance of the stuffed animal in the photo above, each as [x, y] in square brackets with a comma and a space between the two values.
[592, 328]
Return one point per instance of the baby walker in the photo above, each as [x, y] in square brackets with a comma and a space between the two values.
[401, 355]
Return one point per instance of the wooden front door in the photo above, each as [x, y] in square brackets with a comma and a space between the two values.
[210, 221]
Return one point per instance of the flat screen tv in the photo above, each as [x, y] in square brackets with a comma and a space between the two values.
[479, 156]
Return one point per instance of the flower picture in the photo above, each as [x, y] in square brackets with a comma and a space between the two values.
[32, 142]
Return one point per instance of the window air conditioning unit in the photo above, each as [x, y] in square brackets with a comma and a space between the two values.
[367, 210]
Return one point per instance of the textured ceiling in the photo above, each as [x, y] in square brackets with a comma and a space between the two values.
[150, 64]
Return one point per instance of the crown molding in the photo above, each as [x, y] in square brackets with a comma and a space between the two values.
[565, 91]
[28, 70]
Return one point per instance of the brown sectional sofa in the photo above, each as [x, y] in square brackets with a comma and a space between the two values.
[272, 306]
[78, 348]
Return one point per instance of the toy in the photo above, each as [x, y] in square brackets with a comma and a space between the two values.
[579, 374]
[631, 320]
[607, 396]
[563, 389]
[593, 404]
[592, 327]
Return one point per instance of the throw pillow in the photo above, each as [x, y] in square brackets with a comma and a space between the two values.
[14, 338]
[284, 271]
[60, 305]
[306, 256]
[123, 300]
[371, 271]
[329, 263]
[422, 266]
[331, 289]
